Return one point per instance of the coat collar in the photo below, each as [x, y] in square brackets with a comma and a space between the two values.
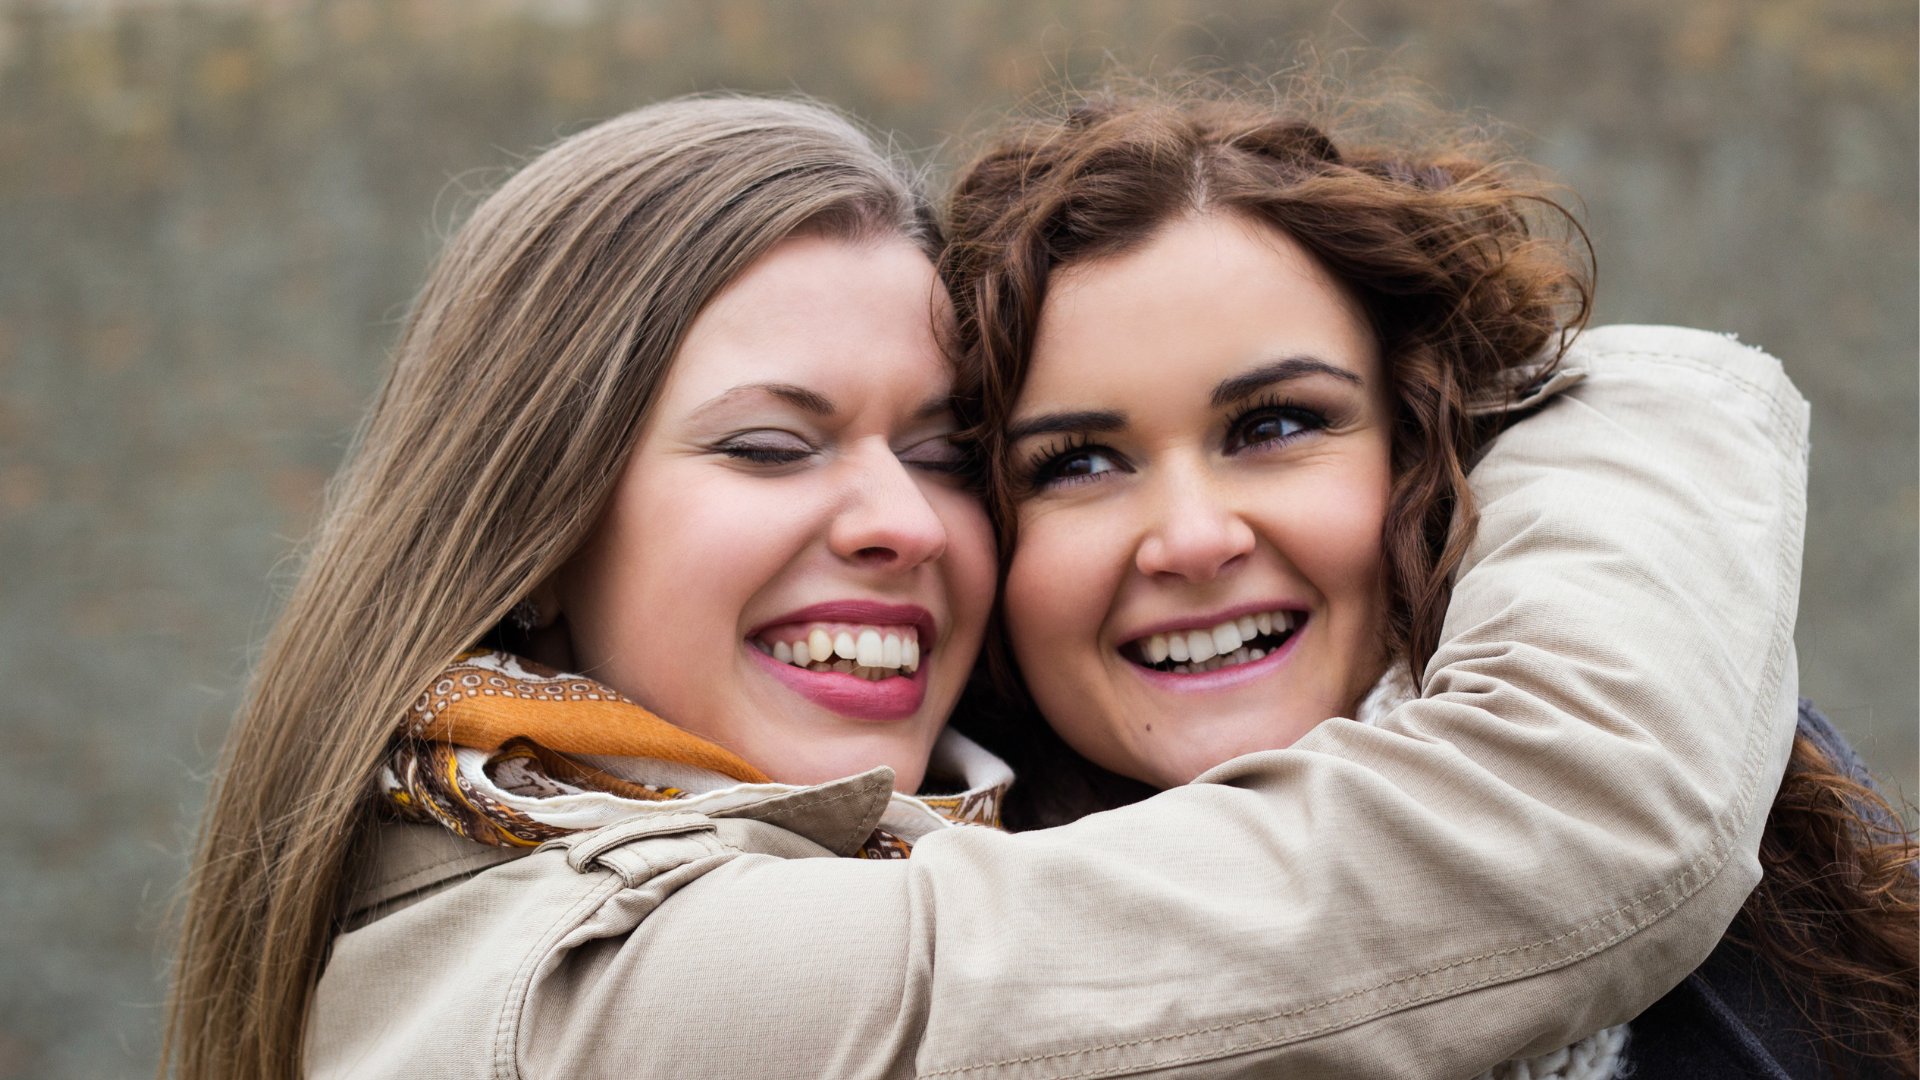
[403, 862]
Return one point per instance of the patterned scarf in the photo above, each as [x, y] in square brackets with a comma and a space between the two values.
[506, 752]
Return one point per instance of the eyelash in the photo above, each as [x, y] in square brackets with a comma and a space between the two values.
[961, 466]
[1310, 420]
[763, 454]
[1044, 465]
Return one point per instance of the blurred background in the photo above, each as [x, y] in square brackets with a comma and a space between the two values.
[213, 215]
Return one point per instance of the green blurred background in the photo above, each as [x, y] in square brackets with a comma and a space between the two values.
[212, 216]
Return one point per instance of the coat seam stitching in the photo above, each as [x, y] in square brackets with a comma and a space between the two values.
[506, 1056]
[1415, 1000]
[1312, 1032]
[1769, 395]
[587, 847]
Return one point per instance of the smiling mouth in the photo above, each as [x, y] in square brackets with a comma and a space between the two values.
[1230, 643]
[865, 651]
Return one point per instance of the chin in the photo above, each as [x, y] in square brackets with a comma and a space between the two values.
[1199, 758]
[863, 751]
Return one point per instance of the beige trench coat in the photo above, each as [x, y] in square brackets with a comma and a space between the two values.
[1542, 846]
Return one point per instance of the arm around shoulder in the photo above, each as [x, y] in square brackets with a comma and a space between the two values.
[1547, 841]
[1540, 846]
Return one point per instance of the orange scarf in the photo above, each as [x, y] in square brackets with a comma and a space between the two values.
[509, 753]
[528, 719]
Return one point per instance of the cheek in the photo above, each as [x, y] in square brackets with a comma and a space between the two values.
[970, 564]
[1050, 600]
[1059, 587]
[1337, 541]
[1332, 535]
[655, 606]
[1065, 574]
[709, 545]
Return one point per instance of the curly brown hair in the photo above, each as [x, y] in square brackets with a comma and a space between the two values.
[1473, 278]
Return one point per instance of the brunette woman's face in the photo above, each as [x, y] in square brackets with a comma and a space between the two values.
[1202, 457]
[790, 565]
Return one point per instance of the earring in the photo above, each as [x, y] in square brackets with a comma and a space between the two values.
[524, 616]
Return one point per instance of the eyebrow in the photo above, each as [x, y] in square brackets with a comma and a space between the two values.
[1226, 392]
[798, 396]
[1249, 383]
[816, 403]
[1056, 422]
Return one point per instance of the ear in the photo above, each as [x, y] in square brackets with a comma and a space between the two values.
[545, 639]
[544, 601]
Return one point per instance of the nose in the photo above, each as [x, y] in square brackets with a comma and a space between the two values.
[886, 521]
[1194, 532]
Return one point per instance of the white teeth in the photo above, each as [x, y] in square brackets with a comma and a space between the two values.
[1224, 645]
[1226, 637]
[867, 649]
[871, 652]
[1200, 645]
[1182, 669]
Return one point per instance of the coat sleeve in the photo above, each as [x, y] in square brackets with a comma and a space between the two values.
[1542, 845]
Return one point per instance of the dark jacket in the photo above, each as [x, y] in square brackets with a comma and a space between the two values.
[1732, 1017]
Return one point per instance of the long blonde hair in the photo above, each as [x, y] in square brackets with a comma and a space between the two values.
[527, 367]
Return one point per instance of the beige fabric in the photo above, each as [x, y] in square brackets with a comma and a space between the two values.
[1539, 847]
[1599, 1056]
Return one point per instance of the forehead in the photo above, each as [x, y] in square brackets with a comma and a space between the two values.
[1205, 297]
[818, 309]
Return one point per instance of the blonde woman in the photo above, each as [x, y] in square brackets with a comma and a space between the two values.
[672, 414]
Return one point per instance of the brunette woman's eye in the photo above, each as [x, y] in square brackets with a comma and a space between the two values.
[766, 447]
[1078, 462]
[1271, 423]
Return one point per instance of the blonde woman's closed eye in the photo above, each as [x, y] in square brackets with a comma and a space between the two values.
[766, 447]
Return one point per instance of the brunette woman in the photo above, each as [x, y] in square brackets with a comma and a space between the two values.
[1234, 371]
[672, 417]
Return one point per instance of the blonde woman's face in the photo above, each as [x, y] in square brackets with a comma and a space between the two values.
[1202, 454]
[790, 566]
